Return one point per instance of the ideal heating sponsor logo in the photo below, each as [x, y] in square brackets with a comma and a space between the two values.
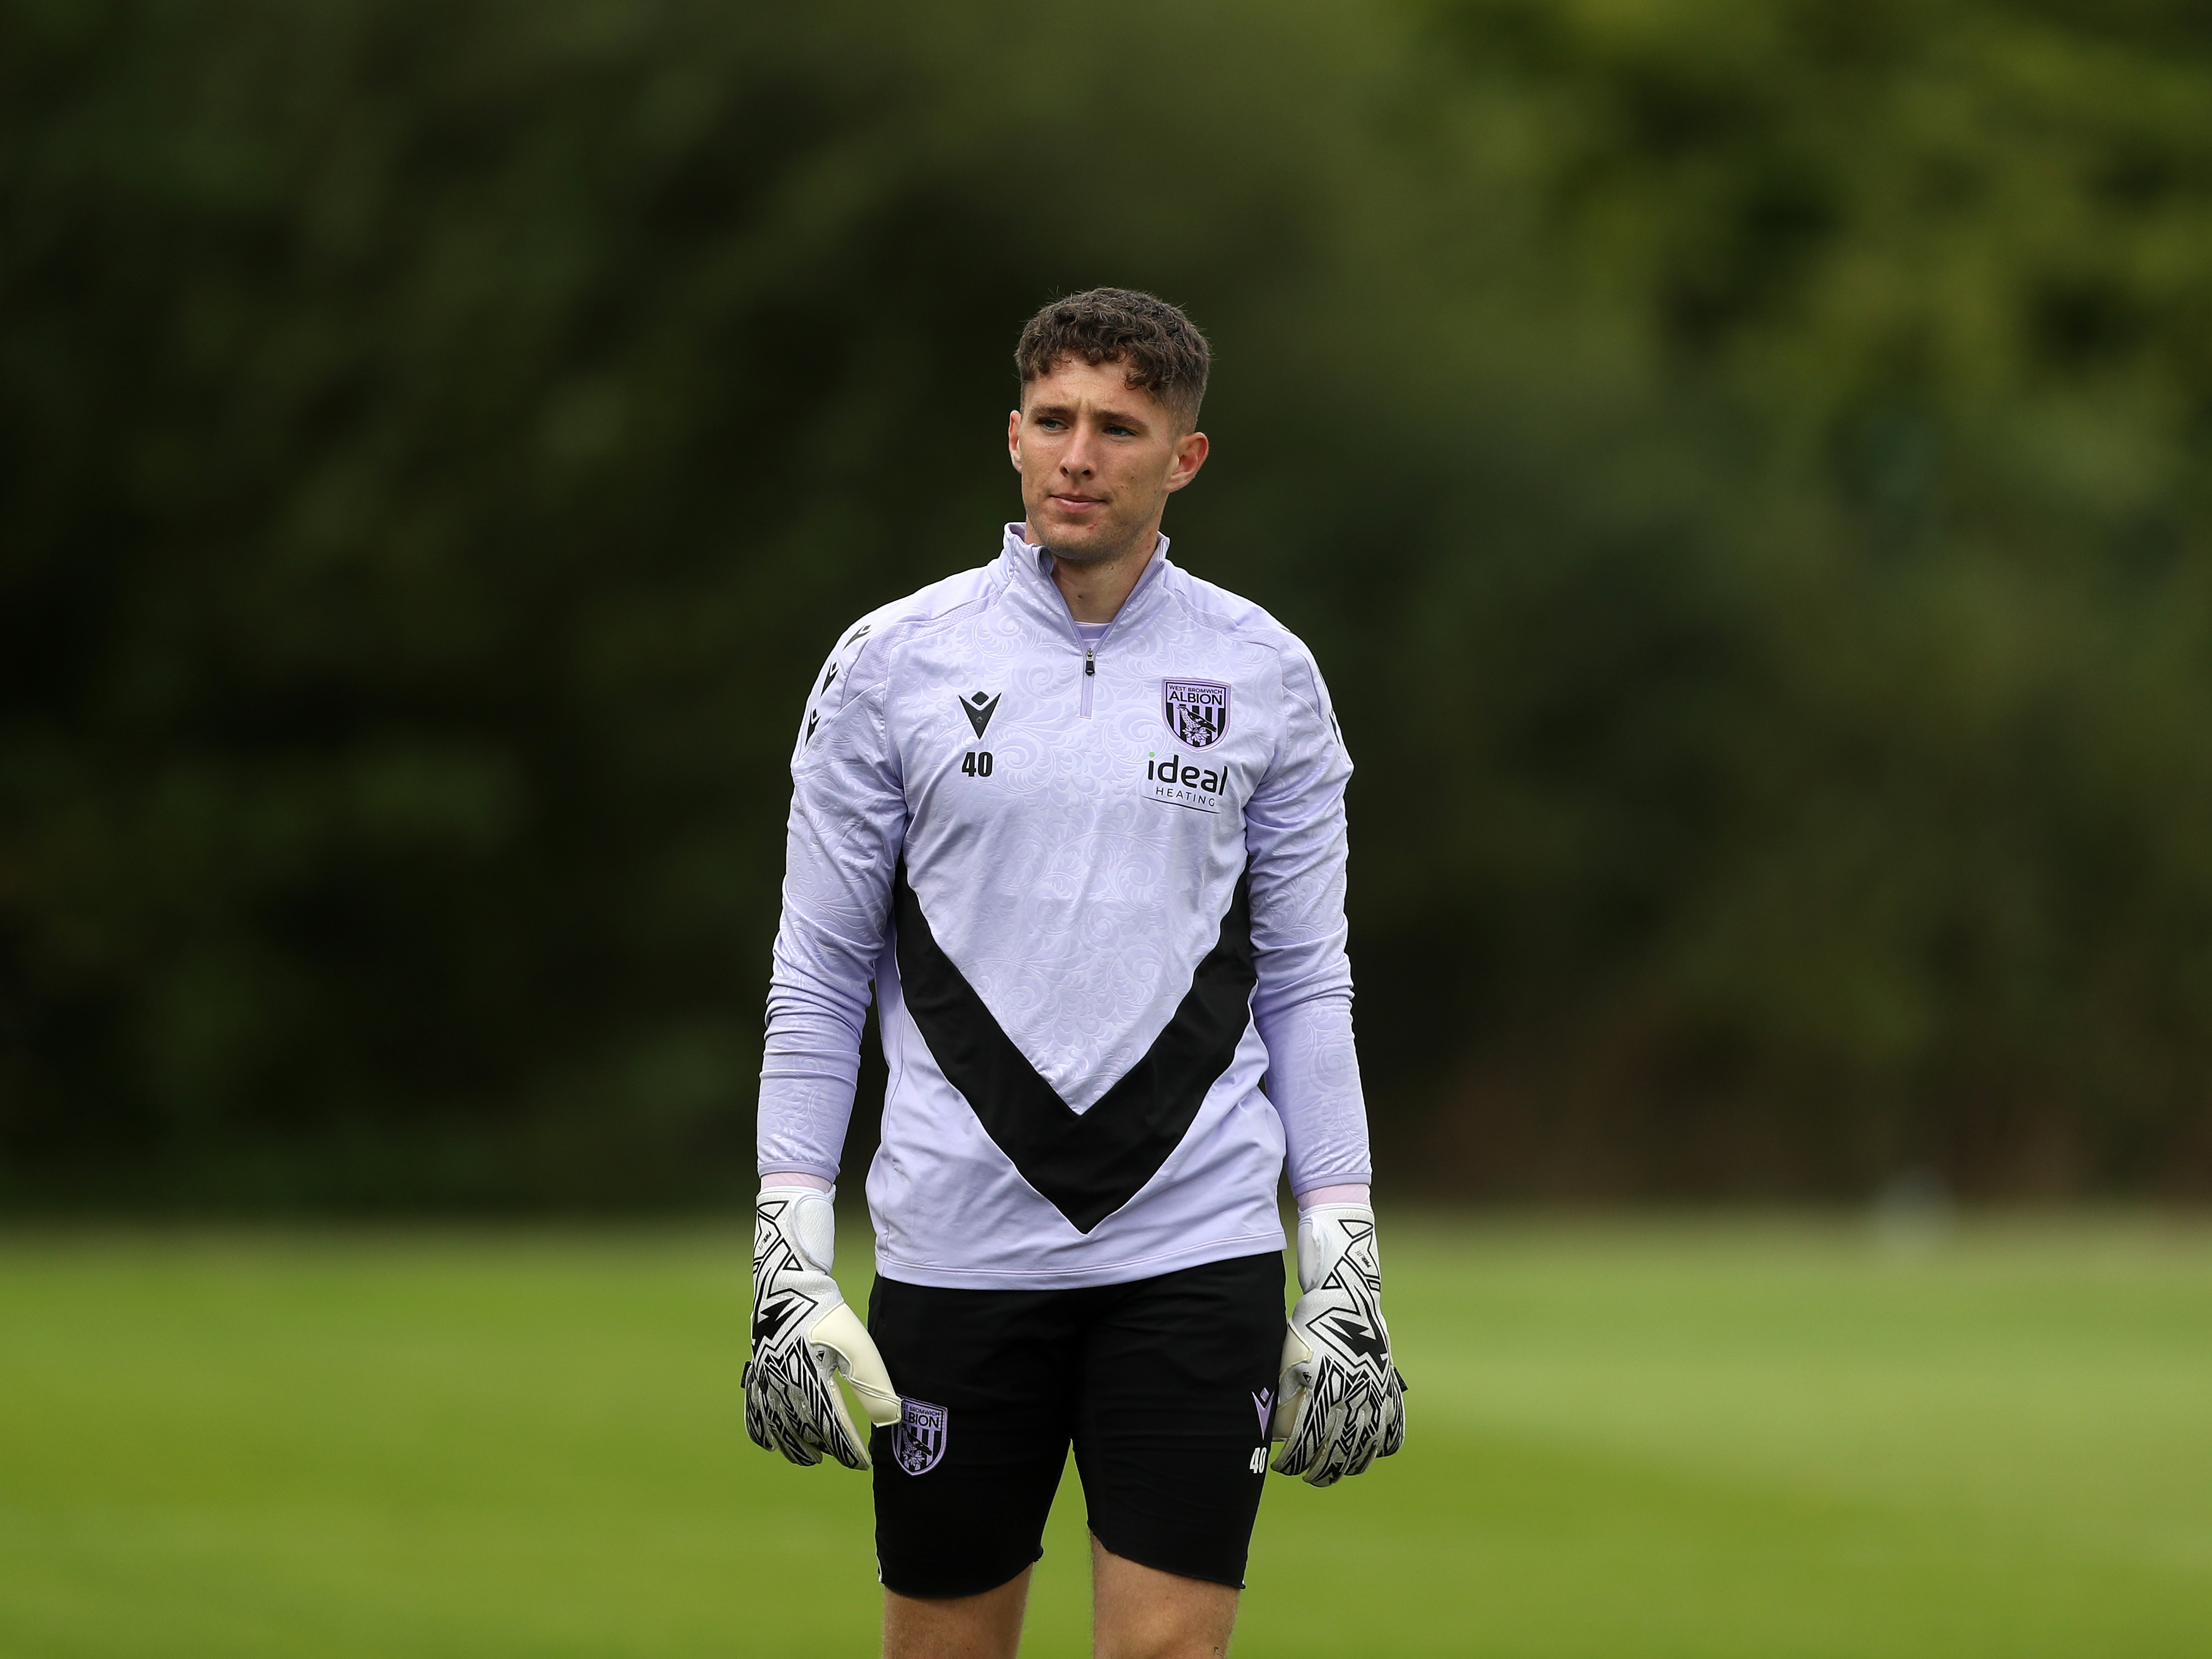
[1180, 782]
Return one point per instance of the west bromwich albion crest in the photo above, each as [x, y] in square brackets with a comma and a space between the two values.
[918, 1442]
[1196, 711]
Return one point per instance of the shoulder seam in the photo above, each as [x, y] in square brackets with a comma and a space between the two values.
[905, 628]
[1218, 623]
[891, 633]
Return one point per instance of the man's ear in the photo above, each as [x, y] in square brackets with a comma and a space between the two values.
[1014, 439]
[1190, 454]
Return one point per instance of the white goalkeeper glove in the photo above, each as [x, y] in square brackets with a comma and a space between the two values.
[804, 1338]
[1340, 1404]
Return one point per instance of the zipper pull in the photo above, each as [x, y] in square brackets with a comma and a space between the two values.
[1089, 661]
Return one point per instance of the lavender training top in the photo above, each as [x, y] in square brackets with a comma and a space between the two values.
[1098, 885]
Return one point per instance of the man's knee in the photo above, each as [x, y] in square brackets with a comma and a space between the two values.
[1141, 1613]
[985, 1626]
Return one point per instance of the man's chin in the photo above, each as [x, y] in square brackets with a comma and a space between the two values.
[1084, 542]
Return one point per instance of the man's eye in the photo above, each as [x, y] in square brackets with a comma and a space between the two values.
[1122, 431]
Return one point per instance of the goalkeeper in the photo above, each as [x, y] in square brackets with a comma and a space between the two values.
[1077, 817]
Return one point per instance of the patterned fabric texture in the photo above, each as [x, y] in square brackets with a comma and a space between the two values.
[1341, 1401]
[804, 1338]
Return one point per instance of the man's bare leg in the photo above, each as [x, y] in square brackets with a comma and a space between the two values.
[986, 1626]
[1141, 1613]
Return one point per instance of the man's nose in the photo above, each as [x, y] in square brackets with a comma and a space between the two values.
[1075, 460]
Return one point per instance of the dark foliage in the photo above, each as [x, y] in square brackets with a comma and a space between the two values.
[1741, 467]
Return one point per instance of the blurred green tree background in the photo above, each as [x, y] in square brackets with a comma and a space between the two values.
[1742, 464]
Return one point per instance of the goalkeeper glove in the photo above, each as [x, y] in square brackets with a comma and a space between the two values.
[1341, 1403]
[804, 1338]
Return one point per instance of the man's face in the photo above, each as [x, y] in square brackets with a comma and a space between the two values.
[1098, 460]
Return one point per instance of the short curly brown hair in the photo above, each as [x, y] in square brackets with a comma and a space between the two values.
[1162, 349]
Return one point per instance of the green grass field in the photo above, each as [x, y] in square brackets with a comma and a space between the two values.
[1694, 1438]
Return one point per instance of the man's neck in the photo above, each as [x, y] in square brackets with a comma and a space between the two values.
[1097, 589]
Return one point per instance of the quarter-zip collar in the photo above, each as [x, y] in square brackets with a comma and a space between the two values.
[1028, 579]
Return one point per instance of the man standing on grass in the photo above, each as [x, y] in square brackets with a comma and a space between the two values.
[1080, 818]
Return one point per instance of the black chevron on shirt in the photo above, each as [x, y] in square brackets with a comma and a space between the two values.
[1090, 1164]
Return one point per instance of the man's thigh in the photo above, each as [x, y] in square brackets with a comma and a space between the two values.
[964, 1480]
[1178, 1378]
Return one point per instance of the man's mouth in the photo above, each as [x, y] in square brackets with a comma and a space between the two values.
[1077, 504]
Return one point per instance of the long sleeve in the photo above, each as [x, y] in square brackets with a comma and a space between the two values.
[1294, 836]
[848, 824]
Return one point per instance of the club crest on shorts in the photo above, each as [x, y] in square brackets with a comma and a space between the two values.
[1196, 711]
[918, 1443]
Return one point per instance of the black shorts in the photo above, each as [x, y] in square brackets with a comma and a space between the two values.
[1163, 1385]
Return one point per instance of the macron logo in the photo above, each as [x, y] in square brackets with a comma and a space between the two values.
[978, 711]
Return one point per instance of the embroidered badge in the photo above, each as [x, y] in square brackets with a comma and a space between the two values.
[1196, 711]
[918, 1443]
